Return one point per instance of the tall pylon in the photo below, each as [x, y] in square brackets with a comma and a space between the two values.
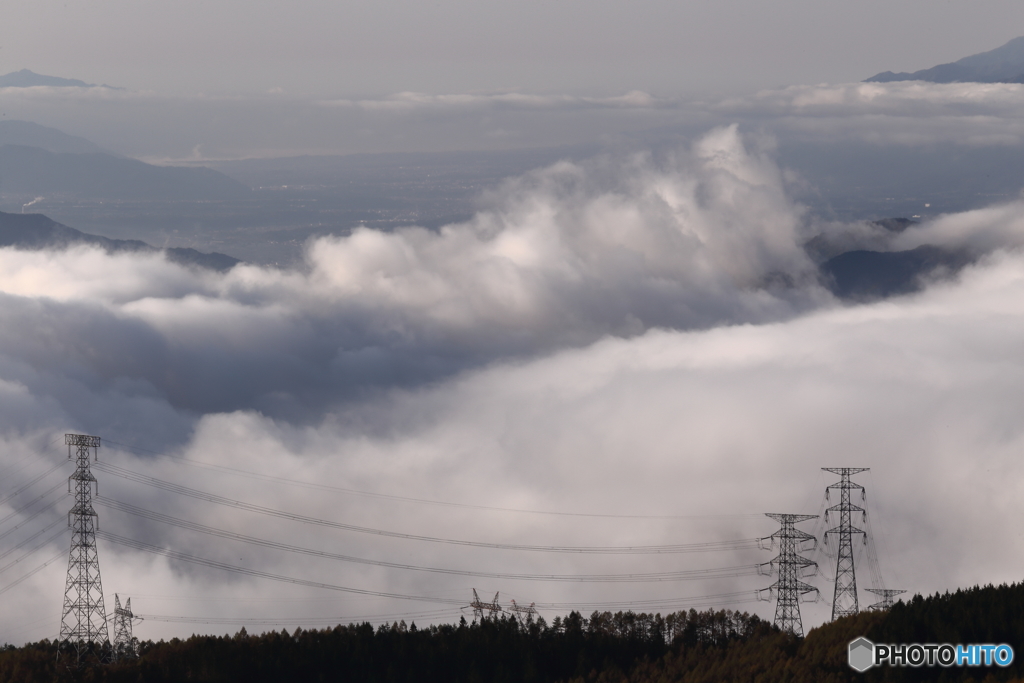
[790, 565]
[492, 608]
[125, 646]
[887, 595]
[844, 600]
[83, 627]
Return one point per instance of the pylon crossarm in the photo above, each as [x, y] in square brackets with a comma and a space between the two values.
[795, 519]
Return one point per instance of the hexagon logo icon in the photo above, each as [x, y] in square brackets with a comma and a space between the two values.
[862, 654]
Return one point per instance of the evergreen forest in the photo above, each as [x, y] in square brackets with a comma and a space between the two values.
[683, 647]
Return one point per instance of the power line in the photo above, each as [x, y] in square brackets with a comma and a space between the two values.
[31, 538]
[294, 621]
[184, 557]
[32, 573]
[408, 499]
[685, 575]
[25, 507]
[875, 498]
[250, 507]
[41, 545]
[28, 460]
[30, 483]
[719, 598]
[742, 596]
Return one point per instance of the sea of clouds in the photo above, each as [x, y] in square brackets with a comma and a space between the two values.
[633, 335]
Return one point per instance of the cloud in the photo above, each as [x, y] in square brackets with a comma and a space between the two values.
[562, 257]
[911, 113]
[735, 420]
[414, 102]
[845, 99]
[979, 231]
[629, 337]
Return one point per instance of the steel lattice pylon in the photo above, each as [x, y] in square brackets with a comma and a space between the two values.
[492, 608]
[789, 564]
[83, 628]
[887, 594]
[844, 600]
[523, 614]
[125, 645]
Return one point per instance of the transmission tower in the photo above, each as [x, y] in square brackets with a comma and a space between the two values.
[492, 608]
[83, 628]
[521, 613]
[887, 594]
[125, 645]
[790, 566]
[844, 601]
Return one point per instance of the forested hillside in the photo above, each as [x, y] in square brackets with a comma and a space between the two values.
[693, 647]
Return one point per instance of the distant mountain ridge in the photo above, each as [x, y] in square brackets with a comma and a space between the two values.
[26, 170]
[30, 79]
[1004, 64]
[28, 134]
[34, 231]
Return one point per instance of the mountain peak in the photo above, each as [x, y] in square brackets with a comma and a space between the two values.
[1005, 64]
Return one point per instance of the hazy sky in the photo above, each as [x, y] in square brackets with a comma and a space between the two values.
[375, 47]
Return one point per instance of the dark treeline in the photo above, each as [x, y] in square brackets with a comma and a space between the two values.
[494, 650]
[685, 647]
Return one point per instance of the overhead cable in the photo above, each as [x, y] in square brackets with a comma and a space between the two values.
[259, 509]
[185, 557]
[14, 493]
[26, 507]
[409, 499]
[32, 538]
[32, 573]
[684, 575]
[30, 552]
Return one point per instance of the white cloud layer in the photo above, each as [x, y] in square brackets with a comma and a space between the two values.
[565, 255]
[909, 113]
[634, 338]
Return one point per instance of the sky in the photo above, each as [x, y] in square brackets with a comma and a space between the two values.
[632, 349]
[234, 80]
[331, 49]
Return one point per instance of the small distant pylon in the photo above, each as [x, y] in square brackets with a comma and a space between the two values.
[887, 595]
[521, 613]
[844, 600]
[789, 564]
[492, 608]
[83, 628]
[126, 647]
